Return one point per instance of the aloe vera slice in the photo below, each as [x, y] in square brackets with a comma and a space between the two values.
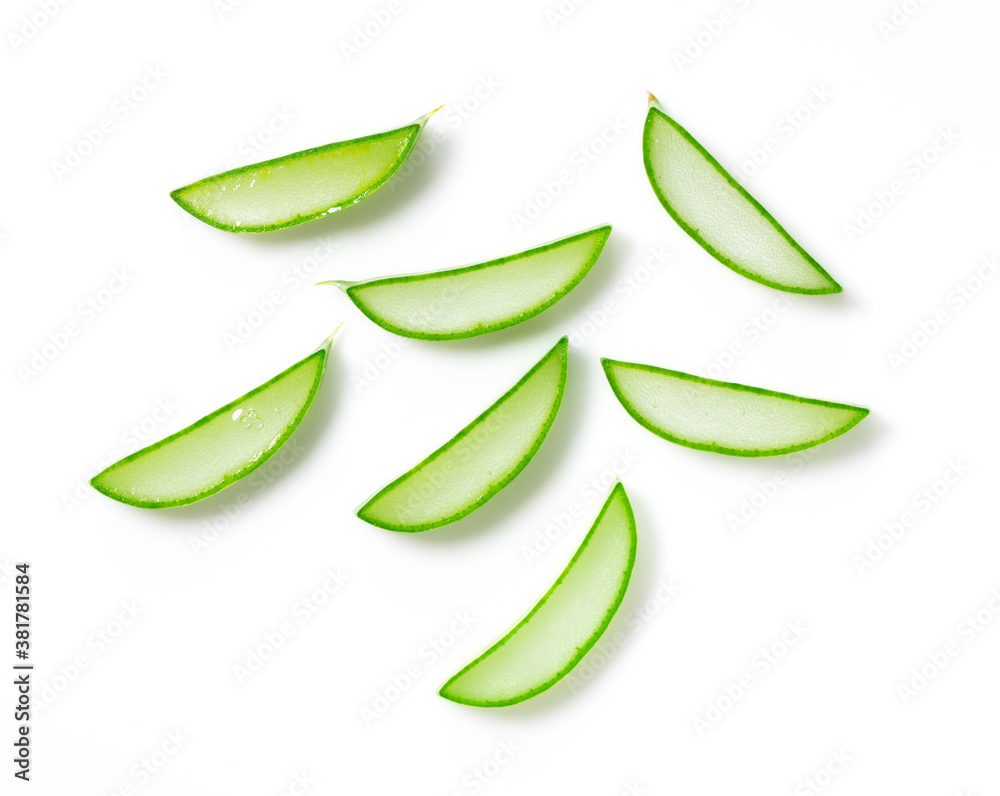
[222, 447]
[715, 210]
[299, 187]
[480, 460]
[563, 626]
[725, 418]
[477, 299]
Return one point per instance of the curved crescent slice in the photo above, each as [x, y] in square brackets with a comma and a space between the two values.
[725, 418]
[299, 187]
[561, 628]
[715, 210]
[477, 299]
[222, 447]
[480, 460]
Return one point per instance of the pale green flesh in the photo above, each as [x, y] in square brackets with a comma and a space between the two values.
[299, 187]
[482, 298]
[726, 418]
[564, 624]
[710, 206]
[480, 460]
[219, 449]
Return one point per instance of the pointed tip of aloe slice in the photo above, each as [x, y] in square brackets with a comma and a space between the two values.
[325, 345]
[423, 119]
[832, 287]
[177, 196]
[343, 284]
[653, 101]
[445, 692]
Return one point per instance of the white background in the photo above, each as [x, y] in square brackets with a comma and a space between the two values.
[548, 87]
